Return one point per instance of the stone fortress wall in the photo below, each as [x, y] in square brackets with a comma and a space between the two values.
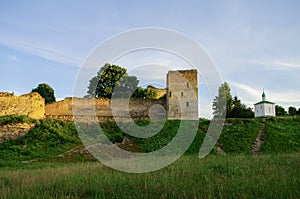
[101, 107]
[181, 103]
[31, 105]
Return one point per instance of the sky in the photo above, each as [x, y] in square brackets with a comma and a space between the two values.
[254, 44]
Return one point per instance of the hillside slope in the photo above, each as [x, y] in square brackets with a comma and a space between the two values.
[55, 139]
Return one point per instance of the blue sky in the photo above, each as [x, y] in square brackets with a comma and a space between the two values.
[254, 44]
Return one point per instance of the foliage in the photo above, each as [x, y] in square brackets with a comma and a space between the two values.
[49, 137]
[112, 131]
[10, 119]
[150, 93]
[298, 111]
[223, 102]
[147, 93]
[292, 110]
[46, 92]
[233, 108]
[125, 86]
[139, 93]
[163, 97]
[239, 110]
[111, 77]
[279, 110]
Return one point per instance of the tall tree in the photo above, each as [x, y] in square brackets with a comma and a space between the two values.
[125, 87]
[139, 93]
[46, 92]
[279, 110]
[298, 111]
[223, 101]
[111, 77]
[239, 110]
[292, 110]
[233, 107]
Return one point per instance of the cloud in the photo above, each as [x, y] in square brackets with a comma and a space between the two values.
[289, 65]
[45, 51]
[278, 65]
[12, 57]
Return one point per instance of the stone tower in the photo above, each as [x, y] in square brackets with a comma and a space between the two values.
[182, 95]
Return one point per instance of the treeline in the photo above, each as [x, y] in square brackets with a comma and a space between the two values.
[224, 105]
[291, 111]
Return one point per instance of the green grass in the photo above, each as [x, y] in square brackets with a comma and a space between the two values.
[49, 137]
[238, 135]
[282, 135]
[232, 176]
[31, 167]
[15, 119]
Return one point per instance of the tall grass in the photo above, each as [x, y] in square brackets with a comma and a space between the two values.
[49, 137]
[238, 135]
[282, 135]
[190, 177]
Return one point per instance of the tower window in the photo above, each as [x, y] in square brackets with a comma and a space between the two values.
[170, 94]
[187, 85]
[187, 104]
[181, 94]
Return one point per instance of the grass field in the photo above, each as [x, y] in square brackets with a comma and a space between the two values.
[32, 166]
[216, 176]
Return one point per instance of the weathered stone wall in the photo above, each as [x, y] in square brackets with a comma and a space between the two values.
[101, 107]
[31, 105]
[13, 131]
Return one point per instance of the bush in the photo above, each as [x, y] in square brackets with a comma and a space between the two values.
[49, 137]
[10, 119]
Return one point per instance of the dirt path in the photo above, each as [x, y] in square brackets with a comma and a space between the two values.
[219, 149]
[259, 141]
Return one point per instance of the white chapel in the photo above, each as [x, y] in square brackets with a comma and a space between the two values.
[264, 108]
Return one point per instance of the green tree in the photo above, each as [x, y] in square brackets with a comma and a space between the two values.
[125, 86]
[223, 101]
[147, 93]
[234, 108]
[239, 110]
[150, 92]
[279, 110]
[292, 110]
[46, 92]
[298, 111]
[139, 93]
[111, 77]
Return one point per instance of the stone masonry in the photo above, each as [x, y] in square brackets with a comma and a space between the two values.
[31, 105]
[182, 96]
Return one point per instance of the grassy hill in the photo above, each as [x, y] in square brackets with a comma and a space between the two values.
[53, 166]
[51, 137]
